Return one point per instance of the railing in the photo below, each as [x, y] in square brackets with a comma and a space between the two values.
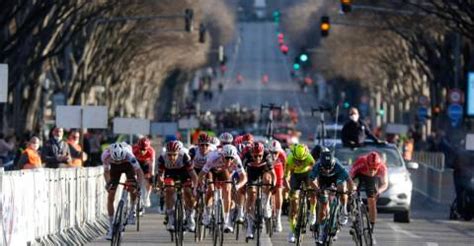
[432, 179]
[51, 205]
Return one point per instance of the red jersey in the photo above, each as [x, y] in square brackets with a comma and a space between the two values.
[146, 156]
[360, 167]
[281, 158]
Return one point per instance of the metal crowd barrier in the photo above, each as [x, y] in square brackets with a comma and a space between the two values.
[43, 206]
[432, 179]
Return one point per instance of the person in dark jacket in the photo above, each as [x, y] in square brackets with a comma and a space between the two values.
[354, 132]
[55, 152]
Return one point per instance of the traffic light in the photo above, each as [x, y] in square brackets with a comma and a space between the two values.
[346, 104]
[325, 26]
[276, 16]
[188, 20]
[202, 33]
[346, 6]
[296, 66]
[303, 57]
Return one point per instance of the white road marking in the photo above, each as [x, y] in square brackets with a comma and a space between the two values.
[431, 244]
[397, 228]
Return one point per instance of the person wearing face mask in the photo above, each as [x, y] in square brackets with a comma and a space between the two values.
[56, 152]
[76, 149]
[354, 132]
[30, 158]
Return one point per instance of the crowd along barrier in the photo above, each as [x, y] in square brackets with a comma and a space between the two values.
[432, 179]
[52, 206]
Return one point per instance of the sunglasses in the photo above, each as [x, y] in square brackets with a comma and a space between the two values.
[229, 158]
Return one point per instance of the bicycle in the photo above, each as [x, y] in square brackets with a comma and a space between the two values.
[217, 214]
[200, 232]
[178, 234]
[361, 229]
[303, 211]
[121, 214]
[331, 225]
[259, 212]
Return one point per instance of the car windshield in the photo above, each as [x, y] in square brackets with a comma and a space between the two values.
[347, 156]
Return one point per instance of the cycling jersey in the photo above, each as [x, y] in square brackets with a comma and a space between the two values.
[360, 167]
[216, 163]
[108, 162]
[146, 158]
[336, 176]
[198, 159]
[297, 166]
[279, 166]
[178, 170]
[255, 169]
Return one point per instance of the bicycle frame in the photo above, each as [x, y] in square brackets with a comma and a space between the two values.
[178, 233]
[121, 216]
[302, 216]
[258, 207]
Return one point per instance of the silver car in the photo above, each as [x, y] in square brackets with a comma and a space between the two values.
[397, 198]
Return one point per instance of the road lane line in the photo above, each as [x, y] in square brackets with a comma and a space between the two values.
[397, 228]
[432, 244]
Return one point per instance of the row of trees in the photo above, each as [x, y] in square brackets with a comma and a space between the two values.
[402, 49]
[75, 46]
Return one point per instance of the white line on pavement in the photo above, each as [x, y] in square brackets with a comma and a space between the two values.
[431, 244]
[397, 228]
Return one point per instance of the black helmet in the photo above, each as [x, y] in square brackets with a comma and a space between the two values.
[316, 151]
[327, 160]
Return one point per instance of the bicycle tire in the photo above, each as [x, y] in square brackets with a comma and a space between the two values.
[258, 219]
[178, 222]
[332, 225]
[367, 230]
[117, 230]
[300, 220]
[218, 225]
[199, 234]
[236, 225]
[358, 223]
[137, 211]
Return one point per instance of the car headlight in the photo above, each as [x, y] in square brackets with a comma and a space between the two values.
[398, 178]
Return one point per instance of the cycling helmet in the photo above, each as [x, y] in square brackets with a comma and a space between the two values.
[327, 160]
[229, 151]
[317, 150]
[300, 152]
[215, 141]
[173, 147]
[238, 140]
[257, 148]
[144, 143]
[274, 146]
[204, 139]
[226, 138]
[118, 151]
[373, 159]
[248, 138]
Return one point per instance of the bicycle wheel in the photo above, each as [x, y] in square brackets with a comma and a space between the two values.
[300, 223]
[258, 219]
[367, 230]
[199, 234]
[178, 230]
[357, 224]
[117, 227]
[332, 226]
[218, 225]
[137, 211]
[236, 224]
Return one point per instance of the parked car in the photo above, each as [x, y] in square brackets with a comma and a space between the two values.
[397, 198]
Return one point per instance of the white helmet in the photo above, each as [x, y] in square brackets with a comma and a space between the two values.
[226, 138]
[274, 146]
[215, 141]
[229, 150]
[118, 151]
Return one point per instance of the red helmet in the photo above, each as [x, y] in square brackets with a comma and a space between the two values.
[257, 148]
[204, 139]
[373, 159]
[173, 146]
[247, 138]
[144, 143]
[238, 140]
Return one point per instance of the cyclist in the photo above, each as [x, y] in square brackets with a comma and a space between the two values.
[371, 172]
[298, 168]
[279, 157]
[145, 155]
[117, 159]
[221, 165]
[259, 164]
[326, 173]
[226, 138]
[176, 165]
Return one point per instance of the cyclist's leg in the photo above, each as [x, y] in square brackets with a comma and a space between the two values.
[208, 201]
[148, 184]
[188, 199]
[131, 177]
[312, 199]
[342, 187]
[253, 176]
[169, 192]
[278, 195]
[114, 180]
[370, 184]
[266, 194]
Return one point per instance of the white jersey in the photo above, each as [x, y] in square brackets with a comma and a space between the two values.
[107, 160]
[216, 162]
[199, 160]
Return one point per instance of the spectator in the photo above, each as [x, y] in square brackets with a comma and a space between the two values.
[55, 152]
[77, 155]
[354, 132]
[6, 146]
[93, 139]
[30, 158]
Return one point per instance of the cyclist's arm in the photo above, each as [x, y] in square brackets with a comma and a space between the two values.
[313, 176]
[106, 164]
[384, 179]
[152, 161]
[190, 168]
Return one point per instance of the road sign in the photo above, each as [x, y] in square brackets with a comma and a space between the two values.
[455, 112]
[455, 96]
[131, 126]
[422, 113]
[188, 123]
[164, 128]
[423, 101]
[93, 117]
[3, 82]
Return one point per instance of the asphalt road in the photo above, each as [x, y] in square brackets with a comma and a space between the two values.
[429, 227]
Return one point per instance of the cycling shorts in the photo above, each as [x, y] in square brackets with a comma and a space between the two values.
[116, 171]
[369, 184]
